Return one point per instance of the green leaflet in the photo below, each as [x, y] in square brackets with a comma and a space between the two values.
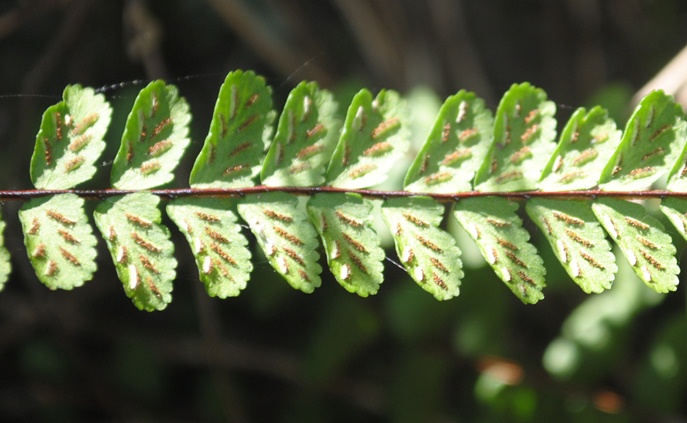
[5, 265]
[587, 143]
[140, 248]
[352, 245]
[214, 235]
[59, 240]
[577, 239]
[524, 129]
[493, 224]
[429, 254]
[154, 139]
[238, 135]
[455, 148]
[306, 136]
[648, 249]
[676, 211]
[286, 236]
[374, 136]
[653, 139]
[70, 139]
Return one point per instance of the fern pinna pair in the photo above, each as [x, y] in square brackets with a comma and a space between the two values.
[467, 149]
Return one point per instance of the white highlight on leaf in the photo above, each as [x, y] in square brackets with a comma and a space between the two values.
[575, 268]
[650, 117]
[646, 274]
[133, 277]
[207, 265]
[259, 229]
[67, 119]
[505, 274]
[335, 251]
[359, 116]
[270, 249]
[562, 251]
[407, 255]
[472, 229]
[345, 271]
[197, 245]
[120, 254]
[462, 111]
[418, 274]
[306, 105]
[491, 255]
[283, 265]
[631, 257]
[610, 227]
[183, 224]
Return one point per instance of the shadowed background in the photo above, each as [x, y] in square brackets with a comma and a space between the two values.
[274, 354]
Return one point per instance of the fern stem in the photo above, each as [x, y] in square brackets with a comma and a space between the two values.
[99, 194]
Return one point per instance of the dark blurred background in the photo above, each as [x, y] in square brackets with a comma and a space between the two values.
[274, 354]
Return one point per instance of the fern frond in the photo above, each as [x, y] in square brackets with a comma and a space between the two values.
[140, 248]
[492, 223]
[480, 165]
[70, 139]
[653, 140]
[429, 254]
[648, 249]
[154, 139]
[353, 252]
[211, 228]
[524, 130]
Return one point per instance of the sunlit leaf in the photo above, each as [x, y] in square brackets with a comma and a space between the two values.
[70, 139]
[238, 135]
[493, 224]
[155, 138]
[374, 136]
[524, 128]
[653, 139]
[140, 248]
[429, 254]
[587, 143]
[286, 235]
[59, 240]
[211, 228]
[306, 136]
[455, 148]
[648, 249]
[352, 245]
[577, 239]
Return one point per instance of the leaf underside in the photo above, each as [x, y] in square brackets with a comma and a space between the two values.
[373, 137]
[305, 138]
[211, 228]
[429, 254]
[238, 136]
[466, 149]
[59, 240]
[286, 236]
[524, 130]
[140, 248]
[578, 241]
[642, 239]
[352, 245]
[70, 139]
[455, 147]
[155, 137]
[652, 142]
[492, 223]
